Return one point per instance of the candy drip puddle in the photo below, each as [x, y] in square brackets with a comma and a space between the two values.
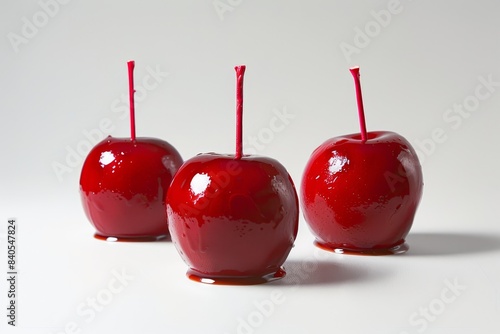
[129, 239]
[235, 280]
[399, 249]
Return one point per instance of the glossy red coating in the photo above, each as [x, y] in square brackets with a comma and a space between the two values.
[123, 185]
[362, 197]
[233, 221]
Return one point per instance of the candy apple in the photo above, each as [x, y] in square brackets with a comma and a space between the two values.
[124, 182]
[233, 218]
[360, 192]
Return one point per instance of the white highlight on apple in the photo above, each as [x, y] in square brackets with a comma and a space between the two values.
[76, 154]
[199, 183]
[425, 315]
[336, 163]
[30, 28]
[106, 158]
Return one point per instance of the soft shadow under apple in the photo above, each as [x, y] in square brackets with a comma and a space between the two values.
[429, 244]
[311, 272]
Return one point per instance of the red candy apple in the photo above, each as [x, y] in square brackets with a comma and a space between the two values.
[360, 192]
[124, 182]
[233, 218]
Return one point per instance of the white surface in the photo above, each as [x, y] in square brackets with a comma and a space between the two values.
[66, 78]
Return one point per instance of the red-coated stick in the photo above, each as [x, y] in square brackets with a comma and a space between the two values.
[131, 65]
[240, 72]
[359, 98]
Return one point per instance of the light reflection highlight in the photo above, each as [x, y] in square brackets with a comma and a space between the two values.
[199, 183]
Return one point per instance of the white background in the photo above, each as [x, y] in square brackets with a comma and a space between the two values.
[64, 78]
